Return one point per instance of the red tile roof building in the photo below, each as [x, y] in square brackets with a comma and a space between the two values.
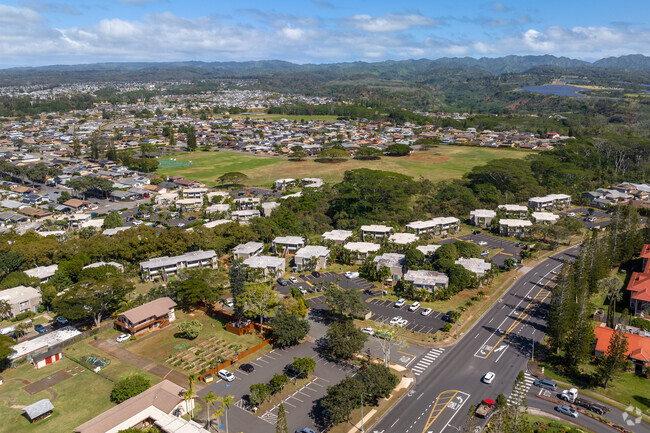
[638, 350]
[639, 286]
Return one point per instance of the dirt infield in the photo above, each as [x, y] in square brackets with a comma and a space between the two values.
[46, 382]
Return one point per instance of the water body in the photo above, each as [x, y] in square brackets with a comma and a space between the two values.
[555, 89]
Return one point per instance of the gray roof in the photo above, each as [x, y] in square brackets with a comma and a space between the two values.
[336, 235]
[312, 251]
[42, 271]
[248, 248]
[389, 259]
[39, 408]
[265, 262]
[19, 294]
[289, 240]
[159, 262]
[426, 278]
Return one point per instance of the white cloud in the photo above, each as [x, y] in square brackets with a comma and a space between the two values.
[391, 22]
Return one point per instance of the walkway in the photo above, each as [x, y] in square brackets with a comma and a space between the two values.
[110, 346]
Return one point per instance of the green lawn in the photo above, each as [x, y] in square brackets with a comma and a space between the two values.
[78, 399]
[548, 425]
[444, 162]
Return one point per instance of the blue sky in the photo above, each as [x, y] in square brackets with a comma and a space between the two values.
[45, 32]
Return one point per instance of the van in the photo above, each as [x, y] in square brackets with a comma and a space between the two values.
[547, 384]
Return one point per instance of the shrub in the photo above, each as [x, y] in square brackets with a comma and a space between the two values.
[129, 387]
[190, 329]
[446, 327]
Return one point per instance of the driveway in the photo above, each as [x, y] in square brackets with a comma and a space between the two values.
[509, 249]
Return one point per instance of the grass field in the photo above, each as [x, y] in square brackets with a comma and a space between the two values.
[445, 162]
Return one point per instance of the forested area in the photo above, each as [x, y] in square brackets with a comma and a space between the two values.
[24, 106]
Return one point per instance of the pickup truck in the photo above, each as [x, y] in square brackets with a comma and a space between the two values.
[484, 409]
[571, 395]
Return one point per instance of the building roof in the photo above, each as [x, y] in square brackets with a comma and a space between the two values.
[312, 251]
[550, 197]
[426, 278]
[478, 266]
[390, 259]
[403, 238]
[156, 308]
[645, 252]
[336, 235]
[638, 346]
[42, 272]
[513, 208]
[265, 262]
[545, 216]
[483, 213]
[164, 396]
[75, 203]
[289, 240]
[159, 262]
[99, 264]
[515, 223]
[428, 249]
[43, 342]
[19, 294]
[248, 248]
[215, 223]
[433, 222]
[39, 408]
[376, 228]
[114, 231]
[362, 247]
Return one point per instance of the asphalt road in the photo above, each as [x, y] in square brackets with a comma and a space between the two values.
[500, 342]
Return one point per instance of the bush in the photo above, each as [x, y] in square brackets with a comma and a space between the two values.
[641, 323]
[129, 387]
[190, 329]
[446, 327]
[23, 316]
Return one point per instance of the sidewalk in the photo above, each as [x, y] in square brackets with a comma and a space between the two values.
[109, 346]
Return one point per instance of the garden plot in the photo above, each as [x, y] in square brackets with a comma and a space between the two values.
[201, 357]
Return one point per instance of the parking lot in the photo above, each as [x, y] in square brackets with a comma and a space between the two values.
[603, 218]
[298, 405]
[314, 284]
[384, 310]
[509, 249]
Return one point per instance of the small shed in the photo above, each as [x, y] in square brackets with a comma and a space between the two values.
[39, 410]
[50, 357]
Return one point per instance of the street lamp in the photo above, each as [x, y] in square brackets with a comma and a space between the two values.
[362, 393]
[532, 355]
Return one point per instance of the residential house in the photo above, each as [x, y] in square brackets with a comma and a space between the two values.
[272, 267]
[189, 204]
[336, 236]
[162, 267]
[638, 347]
[478, 267]
[287, 244]
[151, 316]
[196, 193]
[428, 250]
[218, 208]
[551, 201]
[114, 231]
[46, 358]
[281, 184]
[544, 217]
[482, 217]
[161, 406]
[312, 182]
[639, 286]
[514, 210]
[268, 207]
[21, 299]
[375, 231]
[396, 263]
[247, 203]
[9, 217]
[403, 238]
[311, 258]
[78, 205]
[439, 225]
[245, 214]
[604, 197]
[116, 265]
[516, 228]
[362, 249]
[166, 199]
[35, 213]
[43, 343]
[249, 249]
[427, 280]
[43, 273]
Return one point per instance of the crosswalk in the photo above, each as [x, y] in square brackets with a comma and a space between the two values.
[519, 393]
[426, 361]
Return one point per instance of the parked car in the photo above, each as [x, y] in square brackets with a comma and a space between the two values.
[592, 219]
[476, 232]
[482, 243]
[567, 410]
[40, 329]
[349, 275]
[449, 316]
[315, 274]
[230, 303]
[402, 323]
[395, 320]
[282, 281]
[485, 253]
[426, 311]
[302, 290]
[122, 338]
[571, 214]
[488, 377]
[368, 331]
[294, 280]
[305, 430]
[546, 384]
[61, 321]
[226, 375]
[520, 244]
[248, 368]
[414, 306]
[400, 303]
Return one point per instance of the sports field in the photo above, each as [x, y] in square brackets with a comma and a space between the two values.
[445, 162]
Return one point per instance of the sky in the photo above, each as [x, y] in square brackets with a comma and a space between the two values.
[46, 32]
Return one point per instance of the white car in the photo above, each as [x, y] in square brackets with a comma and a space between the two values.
[488, 378]
[395, 320]
[230, 303]
[349, 275]
[368, 331]
[302, 290]
[293, 280]
[414, 306]
[400, 303]
[485, 253]
[122, 338]
[226, 375]
[571, 214]
[426, 311]
[482, 243]
[402, 323]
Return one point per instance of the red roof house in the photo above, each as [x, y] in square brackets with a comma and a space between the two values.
[638, 349]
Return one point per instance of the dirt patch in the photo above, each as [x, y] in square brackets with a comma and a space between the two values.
[427, 158]
[46, 382]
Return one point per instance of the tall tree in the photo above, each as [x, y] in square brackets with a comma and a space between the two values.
[611, 287]
[343, 339]
[226, 401]
[191, 138]
[613, 362]
[209, 399]
[259, 300]
[237, 276]
[288, 329]
[281, 425]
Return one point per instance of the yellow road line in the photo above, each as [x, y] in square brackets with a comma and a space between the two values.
[309, 283]
[405, 353]
[434, 416]
[505, 254]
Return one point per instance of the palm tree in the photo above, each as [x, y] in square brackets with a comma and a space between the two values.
[191, 393]
[226, 401]
[217, 414]
[209, 399]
